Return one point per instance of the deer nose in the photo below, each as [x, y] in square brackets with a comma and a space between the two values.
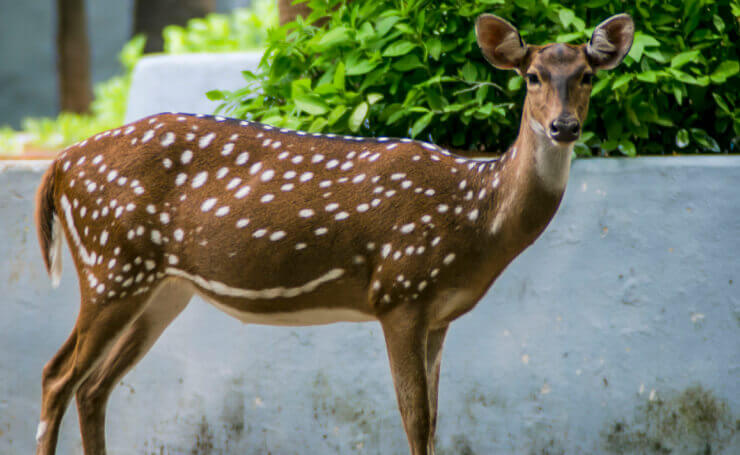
[565, 129]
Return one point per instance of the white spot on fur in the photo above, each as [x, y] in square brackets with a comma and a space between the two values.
[277, 235]
[242, 158]
[199, 179]
[242, 192]
[407, 228]
[208, 204]
[205, 141]
[168, 139]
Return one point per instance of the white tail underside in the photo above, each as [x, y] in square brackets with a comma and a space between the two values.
[55, 252]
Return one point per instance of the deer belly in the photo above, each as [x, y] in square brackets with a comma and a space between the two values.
[302, 317]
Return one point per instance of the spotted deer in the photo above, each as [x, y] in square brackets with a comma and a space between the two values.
[290, 228]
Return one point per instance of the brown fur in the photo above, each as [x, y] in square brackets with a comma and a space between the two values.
[44, 214]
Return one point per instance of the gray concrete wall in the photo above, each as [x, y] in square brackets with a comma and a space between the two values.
[617, 332]
[164, 83]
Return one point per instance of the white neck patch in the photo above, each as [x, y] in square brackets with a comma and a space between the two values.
[552, 161]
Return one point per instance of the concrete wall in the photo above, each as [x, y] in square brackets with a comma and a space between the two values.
[164, 83]
[616, 333]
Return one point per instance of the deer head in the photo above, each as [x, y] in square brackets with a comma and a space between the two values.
[559, 76]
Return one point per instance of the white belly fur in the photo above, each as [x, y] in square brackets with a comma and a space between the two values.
[313, 316]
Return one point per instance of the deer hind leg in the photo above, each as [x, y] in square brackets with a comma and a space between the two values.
[435, 339]
[92, 396]
[97, 328]
[405, 336]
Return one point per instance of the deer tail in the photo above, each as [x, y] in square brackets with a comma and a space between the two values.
[48, 226]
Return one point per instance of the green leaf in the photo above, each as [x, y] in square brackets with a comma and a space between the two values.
[639, 43]
[333, 37]
[683, 58]
[600, 85]
[486, 109]
[480, 94]
[627, 147]
[317, 125]
[365, 32]
[339, 77]
[621, 80]
[455, 107]
[725, 70]
[682, 138]
[300, 86]
[358, 116]
[566, 17]
[706, 141]
[421, 123]
[396, 116]
[719, 24]
[721, 103]
[648, 76]
[357, 65]
[373, 98]
[514, 83]
[434, 46]
[398, 48]
[325, 89]
[311, 104]
[385, 24]
[336, 114]
[407, 63]
[215, 95]
[469, 73]
[568, 37]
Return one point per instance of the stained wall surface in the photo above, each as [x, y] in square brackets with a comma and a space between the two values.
[617, 332]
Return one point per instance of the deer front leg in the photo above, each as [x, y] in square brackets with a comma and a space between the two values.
[405, 337]
[435, 339]
[92, 396]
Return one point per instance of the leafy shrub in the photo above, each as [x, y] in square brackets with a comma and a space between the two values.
[242, 29]
[413, 68]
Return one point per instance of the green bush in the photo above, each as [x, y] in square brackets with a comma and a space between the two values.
[242, 29]
[413, 68]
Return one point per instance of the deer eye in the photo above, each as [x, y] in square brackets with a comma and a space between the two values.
[532, 79]
[587, 78]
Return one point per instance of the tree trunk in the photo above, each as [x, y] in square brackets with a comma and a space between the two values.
[73, 56]
[151, 16]
[288, 12]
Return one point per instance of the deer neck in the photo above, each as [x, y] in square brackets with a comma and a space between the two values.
[529, 182]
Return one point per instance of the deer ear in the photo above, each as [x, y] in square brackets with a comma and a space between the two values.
[500, 42]
[610, 42]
